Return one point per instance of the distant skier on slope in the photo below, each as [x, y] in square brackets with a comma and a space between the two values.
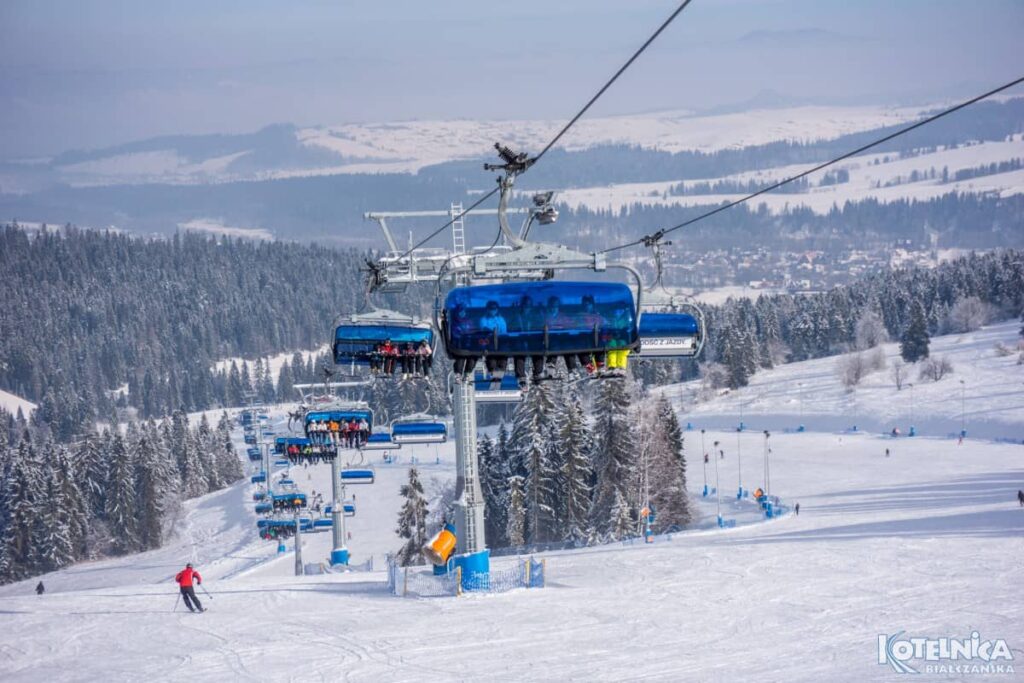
[1020, 499]
[188, 592]
[40, 588]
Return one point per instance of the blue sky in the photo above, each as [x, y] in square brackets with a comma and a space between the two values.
[77, 74]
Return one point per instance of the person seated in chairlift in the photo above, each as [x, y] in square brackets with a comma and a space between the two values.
[408, 360]
[618, 351]
[556, 319]
[353, 433]
[494, 322]
[364, 431]
[389, 354]
[423, 359]
[590, 319]
[529, 318]
[462, 325]
[376, 359]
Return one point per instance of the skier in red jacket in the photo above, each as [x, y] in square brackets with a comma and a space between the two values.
[188, 592]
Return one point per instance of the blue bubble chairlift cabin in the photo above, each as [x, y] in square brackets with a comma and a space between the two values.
[359, 338]
[254, 454]
[264, 508]
[415, 429]
[550, 318]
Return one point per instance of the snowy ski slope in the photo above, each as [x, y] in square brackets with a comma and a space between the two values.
[929, 541]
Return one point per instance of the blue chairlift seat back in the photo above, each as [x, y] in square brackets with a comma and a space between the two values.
[323, 523]
[667, 335]
[264, 508]
[348, 509]
[259, 478]
[419, 432]
[509, 391]
[353, 475]
[539, 318]
[254, 454]
[380, 441]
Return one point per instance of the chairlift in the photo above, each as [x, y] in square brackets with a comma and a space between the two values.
[260, 478]
[669, 335]
[357, 475]
[292, 500]
[358, 338]
[348, 509]
[380, 441]
[538, 319]
[264, 508]
[508, 390]
[416, 429]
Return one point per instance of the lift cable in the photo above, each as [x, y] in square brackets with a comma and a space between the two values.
[562, 132]
[649, 240]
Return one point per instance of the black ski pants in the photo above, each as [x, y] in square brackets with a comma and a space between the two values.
[188, 594]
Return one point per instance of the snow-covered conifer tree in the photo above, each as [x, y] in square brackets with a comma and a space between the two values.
[412, 520]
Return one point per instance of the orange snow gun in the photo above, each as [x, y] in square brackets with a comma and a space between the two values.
[441, 546]
[758, 494]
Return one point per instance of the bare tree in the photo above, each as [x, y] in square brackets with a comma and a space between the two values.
[713, 376]
[968, 314]
[935, 368]
[851, 369]
[870, 331]
[876, 359]
[898, 373]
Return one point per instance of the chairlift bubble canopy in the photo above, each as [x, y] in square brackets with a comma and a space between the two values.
[539, 318]
[355, 341]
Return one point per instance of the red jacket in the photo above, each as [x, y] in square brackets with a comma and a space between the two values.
[185, 576]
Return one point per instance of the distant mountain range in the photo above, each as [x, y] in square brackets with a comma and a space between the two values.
[285, 150]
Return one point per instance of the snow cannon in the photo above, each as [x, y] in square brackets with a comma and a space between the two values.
[758, 495]
[441, 546]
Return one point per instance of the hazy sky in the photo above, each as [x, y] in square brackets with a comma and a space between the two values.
[89, 73]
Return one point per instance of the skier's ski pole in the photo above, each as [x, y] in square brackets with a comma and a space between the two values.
[176, 603]
[206, 591]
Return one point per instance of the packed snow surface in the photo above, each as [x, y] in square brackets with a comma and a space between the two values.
[928, 540]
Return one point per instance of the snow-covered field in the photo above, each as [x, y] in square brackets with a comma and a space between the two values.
[929, 541]
[869, 175]
[12, 403]
[407, 146]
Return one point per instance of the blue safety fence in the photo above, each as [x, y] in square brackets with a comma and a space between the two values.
[418, 581]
